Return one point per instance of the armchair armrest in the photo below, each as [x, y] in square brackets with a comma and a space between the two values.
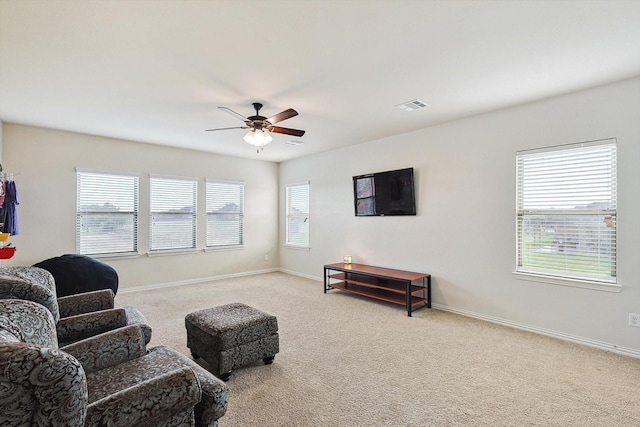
[214, 401]
[86, 325]
[86, 302]
[135, 317]
[148, 402]
[108, 349]
[59, 396]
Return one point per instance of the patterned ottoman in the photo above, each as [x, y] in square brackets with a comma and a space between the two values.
[230, 336]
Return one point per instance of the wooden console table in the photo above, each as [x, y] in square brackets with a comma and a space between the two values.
[413, 290]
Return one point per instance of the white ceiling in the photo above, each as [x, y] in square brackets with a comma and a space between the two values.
[155, 71]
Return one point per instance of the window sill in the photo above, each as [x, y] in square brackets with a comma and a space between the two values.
[114, 256]
[297, 247]
[576, 283]
[224, 248]
[172, 252]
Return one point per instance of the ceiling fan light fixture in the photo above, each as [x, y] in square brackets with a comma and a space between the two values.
[260, 127]
[258, 137]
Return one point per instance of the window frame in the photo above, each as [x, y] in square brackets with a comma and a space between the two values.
[210, 213]
[155, 214]
[594, 223]
[133, 211]
[289, 216]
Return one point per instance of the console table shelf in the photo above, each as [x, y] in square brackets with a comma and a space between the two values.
[413, 290]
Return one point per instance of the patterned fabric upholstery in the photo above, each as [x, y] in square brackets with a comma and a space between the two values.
[231, 336]
[16, 282]
[107, 350]
[109, 379]
[31, 274]
[135, 317]
[82, 326]
[158, 360]
[86, 302]
[100, 301]
[28, 322]
[39, 384]
[78, 316]
[147, 402]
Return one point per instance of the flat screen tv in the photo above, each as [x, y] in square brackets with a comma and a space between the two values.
[385, 193]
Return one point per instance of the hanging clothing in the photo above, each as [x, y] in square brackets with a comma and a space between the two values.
[3, 211]
[2, 192]
[9, 212]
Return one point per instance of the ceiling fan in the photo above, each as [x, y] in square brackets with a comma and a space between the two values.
[260, 126]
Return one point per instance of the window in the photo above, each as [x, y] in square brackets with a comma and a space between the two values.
[365, 198]
[225, 213]
[298, 215]
[173, 213]
[106, 214]
[566, 211]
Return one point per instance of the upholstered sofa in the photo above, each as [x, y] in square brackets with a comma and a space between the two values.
[109, 379]
[76, 316]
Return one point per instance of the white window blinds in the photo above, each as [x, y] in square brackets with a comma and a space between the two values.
[106, 214]
[297, 232]
[225, 213]
[566, 211]
[173, 213]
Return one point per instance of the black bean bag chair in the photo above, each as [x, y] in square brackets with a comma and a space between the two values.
[75, 274]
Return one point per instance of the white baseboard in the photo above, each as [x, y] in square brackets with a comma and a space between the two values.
[194, 281]
[548, 332]
[306, 276]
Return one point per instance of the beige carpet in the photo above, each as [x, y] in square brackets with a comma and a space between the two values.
[351, 361]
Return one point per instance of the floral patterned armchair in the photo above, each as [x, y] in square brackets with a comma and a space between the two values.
[109, 379]
[77, 316]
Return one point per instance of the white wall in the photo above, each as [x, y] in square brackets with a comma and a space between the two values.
[464, 233]
[47, 161]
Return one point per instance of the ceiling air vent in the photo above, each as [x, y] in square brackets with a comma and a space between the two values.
[412, 105]
[294, 142]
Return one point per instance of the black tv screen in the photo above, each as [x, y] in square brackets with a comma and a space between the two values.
[384, 193]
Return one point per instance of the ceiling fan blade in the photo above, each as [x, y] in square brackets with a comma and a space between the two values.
[286, 114]
[286, 131]
[233, 113]
[237, 127]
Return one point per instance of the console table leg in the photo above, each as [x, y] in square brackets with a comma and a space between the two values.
[325, 280]
[408, 292]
